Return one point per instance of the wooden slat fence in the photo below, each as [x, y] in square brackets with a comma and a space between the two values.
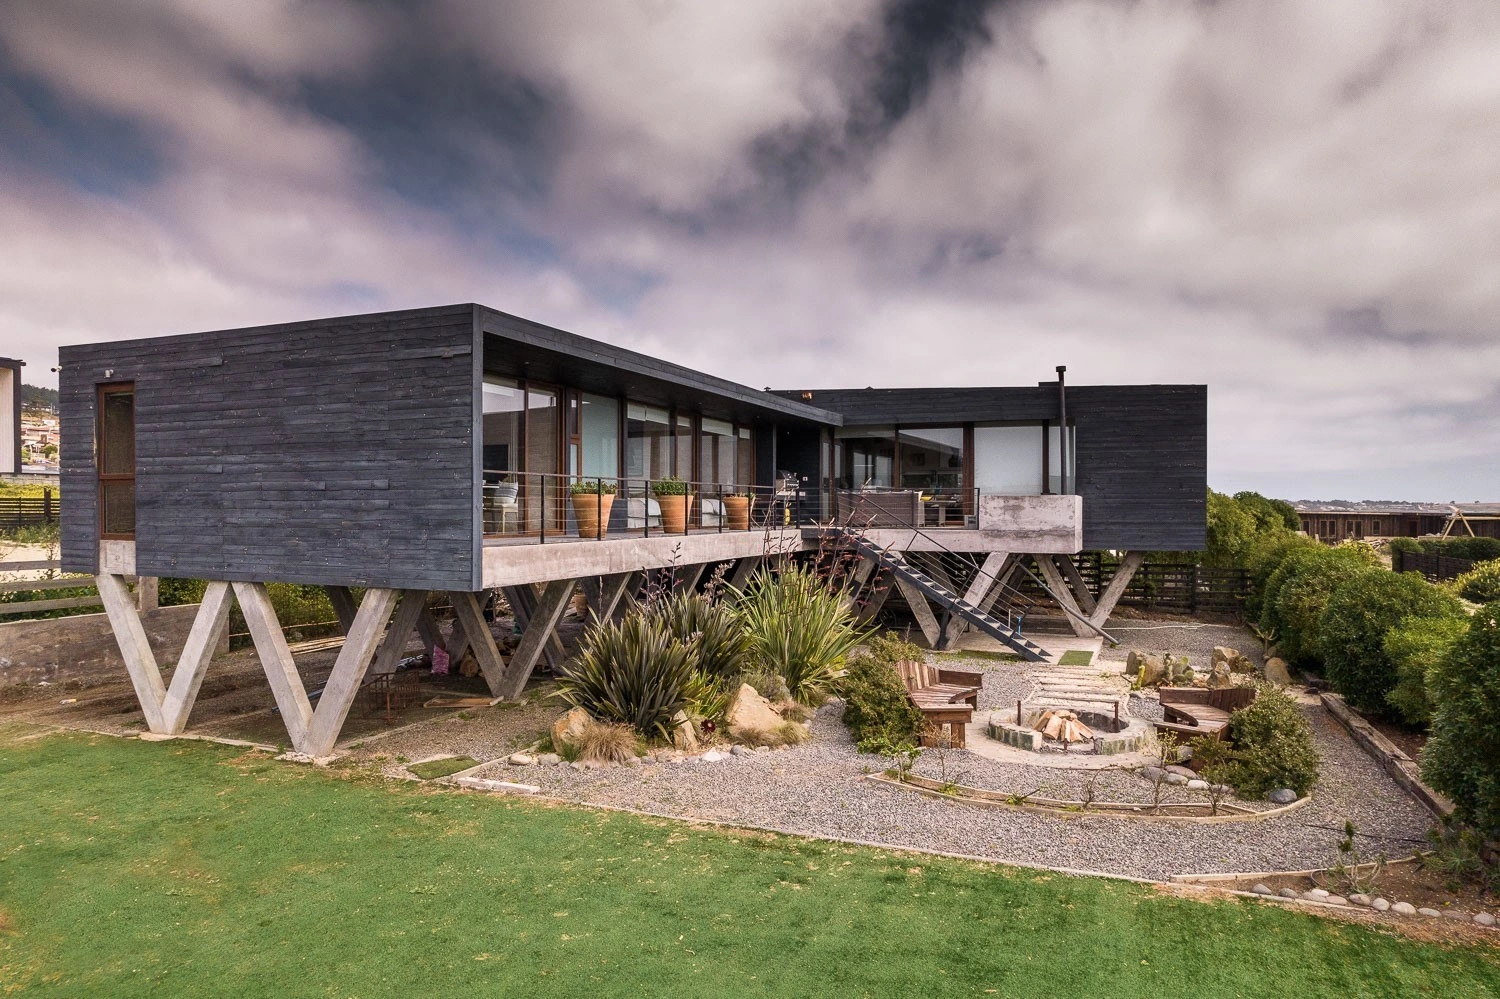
[1165, 586]
[1435, 567]
[12, 590]
[22, 511]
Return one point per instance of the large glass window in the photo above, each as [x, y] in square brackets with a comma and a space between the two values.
[1008, 460]
[116, 461]
[932, 459]
[745, 455]
[869, 460]
[716, 459]
[599, 432]
[504, 404]
[648, 442]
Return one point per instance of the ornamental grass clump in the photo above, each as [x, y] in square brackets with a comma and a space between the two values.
[633, 672]
[800, 628]
[711, 629]
[1273, 746]
[607, 742]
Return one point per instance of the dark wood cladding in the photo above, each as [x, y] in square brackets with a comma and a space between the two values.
[1142, 459]
[332, 452]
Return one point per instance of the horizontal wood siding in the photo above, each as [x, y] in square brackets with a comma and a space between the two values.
[1142, 449]
[335, 452]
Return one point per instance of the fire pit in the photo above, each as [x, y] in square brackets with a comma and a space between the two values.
[1099, 729]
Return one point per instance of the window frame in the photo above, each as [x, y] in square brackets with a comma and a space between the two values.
[102, 391]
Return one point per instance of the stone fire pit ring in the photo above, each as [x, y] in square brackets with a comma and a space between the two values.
[1133, 734]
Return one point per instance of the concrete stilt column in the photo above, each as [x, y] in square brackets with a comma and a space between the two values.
[166, 708]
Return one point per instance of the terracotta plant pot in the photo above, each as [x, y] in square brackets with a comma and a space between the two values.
[591, 512]
[674, 513]
[737, 512]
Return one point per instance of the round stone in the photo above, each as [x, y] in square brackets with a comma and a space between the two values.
[1484, 919]
[1457, 914]
[1429, 912]
[1196, 784]
[1404, 909]
[1317, 893]
[1361, 899]
[1176, 779]
[1381, 904]
[1282, 796]
[1336, 900]
[1287, 892]
[521, 760]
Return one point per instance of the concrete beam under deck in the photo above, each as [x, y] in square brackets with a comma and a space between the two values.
[509, 564]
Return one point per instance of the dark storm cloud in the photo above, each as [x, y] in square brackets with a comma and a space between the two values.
[1292, 202]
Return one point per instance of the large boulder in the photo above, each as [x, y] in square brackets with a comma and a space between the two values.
[568, 729]
[1278, 673]
[749, 712]
[1133, 663]
[1232, 658]
[1219, 676]
[1153, 672]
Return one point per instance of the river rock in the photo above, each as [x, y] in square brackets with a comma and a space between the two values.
[713, 756]
[1282, 796]
[1359, 898]
[568, 729]
[1404, 909]
[750, 713]
[1430, 912]
[1336, 900]
[1484, 919]
[1261, 890]
[549, 759]
[1278, 673]
[1317, 893]
[520, 759]
[1197, 784]
[1380, 904]
[1286, 892]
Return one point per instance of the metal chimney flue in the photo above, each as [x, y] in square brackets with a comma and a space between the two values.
[1062, 429]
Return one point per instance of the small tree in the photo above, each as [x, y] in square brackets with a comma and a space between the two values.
[1214, 759]
[1462, 756]
[1354, 625]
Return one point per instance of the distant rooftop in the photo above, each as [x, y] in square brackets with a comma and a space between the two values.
[1391, 507]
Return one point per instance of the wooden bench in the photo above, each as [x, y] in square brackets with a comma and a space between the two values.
[1194, 711]
[946, 697]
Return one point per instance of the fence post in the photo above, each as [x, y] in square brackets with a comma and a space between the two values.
[1193, 590]
[47, 505]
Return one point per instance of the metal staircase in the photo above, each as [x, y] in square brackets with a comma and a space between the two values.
[951, 603]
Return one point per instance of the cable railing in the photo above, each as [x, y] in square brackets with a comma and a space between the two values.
[541, 507]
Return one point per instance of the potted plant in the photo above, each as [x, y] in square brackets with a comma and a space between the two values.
[592, 500]
[737, 511]
[676, 504]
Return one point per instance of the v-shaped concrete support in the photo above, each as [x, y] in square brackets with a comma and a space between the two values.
[166, 708]
[314, 732]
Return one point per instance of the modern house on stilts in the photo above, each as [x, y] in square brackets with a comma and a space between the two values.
[464, 451]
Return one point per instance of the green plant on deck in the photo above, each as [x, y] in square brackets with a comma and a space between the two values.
[633, 672]
[800, 627]
[592, 487]
[670, 486]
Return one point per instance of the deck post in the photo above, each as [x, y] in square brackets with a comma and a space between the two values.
[468, 616]
[985, 581]
[166, 707]
[688, 577]
[1063, 594]
[1129, 566]
[612, 591]
[549, 610]
[343, 606]
[388, 657]
[1075, 580]
[920, 609]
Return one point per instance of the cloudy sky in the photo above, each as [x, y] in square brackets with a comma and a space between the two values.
[1296, 203]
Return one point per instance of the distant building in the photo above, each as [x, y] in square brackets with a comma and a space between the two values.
[1337, 520]
[10, 415]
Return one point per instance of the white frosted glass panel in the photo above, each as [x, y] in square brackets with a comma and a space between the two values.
[599, 431]
[1054, 460]
[1008, 460]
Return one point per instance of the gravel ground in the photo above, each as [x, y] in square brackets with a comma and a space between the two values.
[819, 789]
[1194, 640]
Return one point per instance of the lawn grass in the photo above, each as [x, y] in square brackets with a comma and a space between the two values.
[433, 769]
[187, 869]
[1075, 657]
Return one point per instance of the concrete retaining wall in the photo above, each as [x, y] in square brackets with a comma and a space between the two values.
[83, 647]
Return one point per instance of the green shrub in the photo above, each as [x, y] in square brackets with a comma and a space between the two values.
[800, 627]
[633, 672]
[876, 707]
[1462, 755]
[1480, 584]
[1273, 746]
[174, 592]
[670, 486]
[711, 629]
[1414, 647]
[1297, 592]
[1354, 625]
[1265, 554]
[592, 487]
[1473, 549]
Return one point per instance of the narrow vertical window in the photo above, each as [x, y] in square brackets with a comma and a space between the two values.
[116, 461]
